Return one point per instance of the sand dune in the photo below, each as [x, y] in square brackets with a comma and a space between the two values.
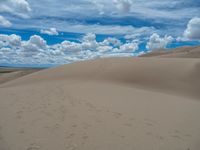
[181, 52]
[104, 104]
[8, 74]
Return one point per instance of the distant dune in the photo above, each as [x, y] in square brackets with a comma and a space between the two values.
[8, 74]
[105, 104]
[182, 52]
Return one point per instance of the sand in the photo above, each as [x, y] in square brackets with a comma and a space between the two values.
[104, 104]
[8, 74]
[181, 52]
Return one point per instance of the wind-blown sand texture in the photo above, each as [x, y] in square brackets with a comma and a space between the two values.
[104, 104]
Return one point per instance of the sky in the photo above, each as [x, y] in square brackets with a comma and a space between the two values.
[54, 32]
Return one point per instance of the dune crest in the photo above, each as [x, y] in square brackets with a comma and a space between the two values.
[180, 52]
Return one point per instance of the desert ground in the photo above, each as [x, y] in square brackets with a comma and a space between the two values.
[143, 103]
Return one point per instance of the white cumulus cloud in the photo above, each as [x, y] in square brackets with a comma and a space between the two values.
[36, 50]
[157, 42]
[10, 40]
[34, 46]
[193, 29]
[72, 47]
[111, 41]
[50, 31]
[129, 47]
[37, 41]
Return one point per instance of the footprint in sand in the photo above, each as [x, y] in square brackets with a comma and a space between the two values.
[91, 107]
[71, 147]
[149, 124]
[62, 112]
[188, 135]
[85, 137]
[132, 119]
[128, 124]
[97, 120]
[117, 114]
[73, 100]
[177, 131]
[74, 126]
[149, 133]
[21, 131]
[69, 136]
[122, 136]
[34, 147]
[19, 114]
[156, 136]
[159, 137]
[176, 136]
[86, 126]
[118, 135]
[54, 128]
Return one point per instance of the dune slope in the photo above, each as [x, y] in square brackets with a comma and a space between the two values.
[8, 74]
[115, 104]
[181, 52]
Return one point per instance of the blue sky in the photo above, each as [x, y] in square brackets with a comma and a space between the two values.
[63, 31]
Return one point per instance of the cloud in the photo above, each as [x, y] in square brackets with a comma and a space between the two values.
[128, 47]
[4, 22]
[156, 9]
[16, 7]
[36, 50]
[77, 27]
[157, 42]
[34, 46]
[14, 40]
[37, 41]
[124, 6]
[104, 48]
[112, 41]
[70, 47]
[192, 31]
[50, 31]
[89, 37]
[109, 17]
[19, 8]
[10, 40]
[89, 42]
